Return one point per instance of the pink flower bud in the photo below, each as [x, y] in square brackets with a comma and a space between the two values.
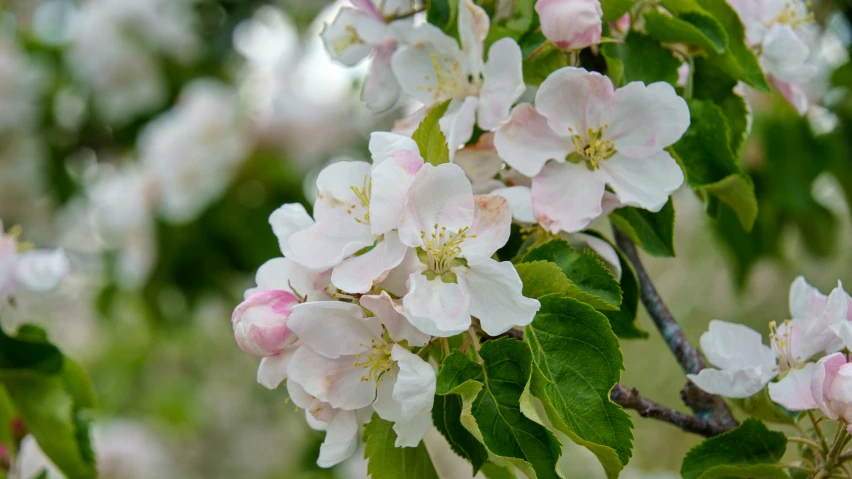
[570, 24]
[260, 322]
[831, 386]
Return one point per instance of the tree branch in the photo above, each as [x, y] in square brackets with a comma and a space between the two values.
[631, 399]
[706, 406]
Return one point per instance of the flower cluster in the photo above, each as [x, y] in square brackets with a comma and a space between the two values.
[803, 367]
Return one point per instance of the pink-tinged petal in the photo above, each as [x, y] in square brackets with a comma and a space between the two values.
[396, 282]
[573, 99]
[343, 36]
[408, 125]
[646, 119]
[41, 270]
[480, 161]
[785, 55]
[335, 191]
[503, 85]
[806, 302]
[273, 369]
[526, 141]
[381, 91]
[335, 381]
[794, 391]
[566, 197]
[520, 202]
[492, 224]
[384, 145]
[571, 24]
[429, 65]
[794, 94]
[440, 195]
[643, 182]
[735, 346]
[261, 322]
[824, 373]
[358, 274]
[367, 7]
[602, 248]
[495, 296]
[473, 28]
[341, 440]
[436, 308]
[732, 383]
[333, 328]
[395, 8]
[391, 182]
[288, 220]
[284, 274]
[457, 123]
[392, 315]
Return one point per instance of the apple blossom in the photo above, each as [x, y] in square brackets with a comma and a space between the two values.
[433, 68]
[358, 32]
[570, 24]
[598, 136]
[455, 235]
[36, 270]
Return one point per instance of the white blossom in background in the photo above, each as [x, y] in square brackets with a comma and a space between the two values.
[432, 67]
[115, 50]
[598, 136]
[23, 266]
[194, 150]
[21, 83]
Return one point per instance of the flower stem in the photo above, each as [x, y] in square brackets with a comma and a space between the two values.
[818, 431]
[802, 440]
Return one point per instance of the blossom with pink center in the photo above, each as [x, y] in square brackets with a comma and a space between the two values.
[571, 24]
[598, 136]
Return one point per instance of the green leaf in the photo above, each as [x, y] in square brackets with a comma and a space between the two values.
[520, 22]
[493, 471]
[446, 415]
[543, 277]
[497, 407]
[710, 165]
[578, 362]
[653, 232]
[614, 9]
[695, 28]
[711, 83]
[751, 450]
[7, 414]
[77, 383]
[443, 14]
[623, 321]
[737, 60]
[592, 282]
[430, 140]
[28, 353]
[385, 461]
[49, 413]
[640, 58]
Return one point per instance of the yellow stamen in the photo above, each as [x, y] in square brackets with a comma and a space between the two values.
[349, 38]
[364, 193]
[442, 247]
[378, 361]
[594, 147]
[783, 344]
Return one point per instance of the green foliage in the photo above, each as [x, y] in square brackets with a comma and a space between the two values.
[591, 281]
[653, 232]
[388, 462]
[711, 83]
[751, 450]
[522, 20]
[614, 9]
[578, 361]
[446, 415]
[640, 58]
[444, 15]
[50, 400]
[711, 168]
[695, 28]
[429, 138]
[623, 321]
[497, 407]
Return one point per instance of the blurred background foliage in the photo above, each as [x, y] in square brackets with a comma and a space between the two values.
[176, 397]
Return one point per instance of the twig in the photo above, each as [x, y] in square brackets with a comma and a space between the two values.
[631, 399]
[704, 405]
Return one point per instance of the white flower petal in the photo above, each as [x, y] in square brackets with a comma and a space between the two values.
[492, 224]
[391, 181]
[495, 296]
[503, 85]
[735, 346]
[342, 37]
[520, 202]
[526, 142]
[41, 270]
[436, 308]
[285, 275]
[643, 182]
[806, 302]
[473, 28]
[335, 189]
[429, 65]
[273, 369]
[480, 161]
[392, 315]
[341, 439]
[567, 197]
[457, 123]
[287, 220]
[384, 144]
[646, 119]
[575, 99]
[785, 55]
[358, 274]
[381, 91]
[732, 383]
[415, 384]
[439, 196]
[794, 391]
[325, 245]
[334, 328]
[335, 381]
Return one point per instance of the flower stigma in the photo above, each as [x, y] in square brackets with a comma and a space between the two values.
[441, 250]
[593, 148]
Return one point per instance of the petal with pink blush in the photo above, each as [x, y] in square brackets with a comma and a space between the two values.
[570, 24]
[520, 202]
[646, 119]
[358, 274]
[261, 322]
[335, 381]
[806, 302]
[526, 141]
[495, 296]
[436, 308]
[333, 328]
[794, 390]
[566, 197]
[390, 184]
[273, 369]
[824, 373]
[440, 195]
[384, 144]
[492, 224]
[573, 99]
[392, 316]
[643, 182]
[503, 85]
[794, 94]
